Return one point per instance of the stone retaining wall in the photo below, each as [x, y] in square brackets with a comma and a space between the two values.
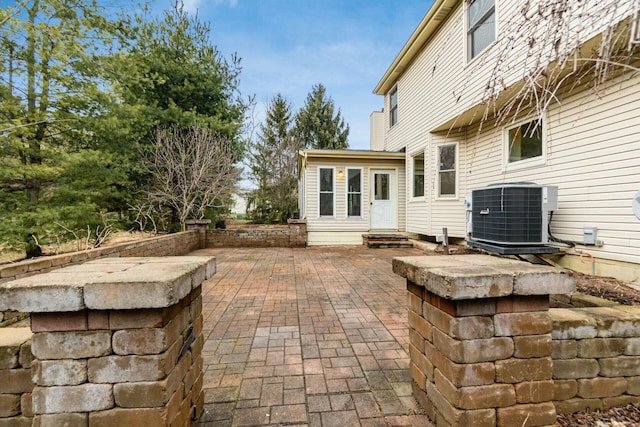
[292, 235]
[596, 357]
[165, 245]
[16, 384]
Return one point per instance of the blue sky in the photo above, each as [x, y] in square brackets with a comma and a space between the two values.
[287, 46]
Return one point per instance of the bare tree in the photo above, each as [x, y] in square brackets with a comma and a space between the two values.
[192, 170]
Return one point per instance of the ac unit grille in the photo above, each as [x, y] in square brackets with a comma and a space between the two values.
[510, 215]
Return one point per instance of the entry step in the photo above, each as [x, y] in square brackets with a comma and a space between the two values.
[381, 240]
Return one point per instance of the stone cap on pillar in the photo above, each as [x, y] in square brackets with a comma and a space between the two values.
[109, 284]
[464, 277]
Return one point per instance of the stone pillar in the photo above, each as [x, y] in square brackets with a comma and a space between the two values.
[480, 338]
[116, 341]
[202, 225]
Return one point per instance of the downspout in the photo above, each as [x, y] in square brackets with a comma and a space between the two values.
[302, 167]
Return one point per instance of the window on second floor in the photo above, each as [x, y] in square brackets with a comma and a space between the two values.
[524, 141]
[481, 26]
[393, 106]
[447, 170]
[418, 175]
[354, 192]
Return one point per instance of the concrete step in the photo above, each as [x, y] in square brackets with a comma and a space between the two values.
[381, 244]
[386, 241]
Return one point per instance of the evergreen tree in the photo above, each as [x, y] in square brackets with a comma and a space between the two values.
[168, 73]
[317, 123]
[273, 165]
[46, 91]
[80, 100]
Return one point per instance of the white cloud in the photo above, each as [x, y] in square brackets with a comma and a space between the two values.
[232, 3]
[192, 6]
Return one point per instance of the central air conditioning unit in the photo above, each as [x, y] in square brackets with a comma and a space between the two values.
[512, 213]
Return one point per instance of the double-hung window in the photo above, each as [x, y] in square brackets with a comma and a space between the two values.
[447, 170]
[354, 192]
[418, 175]
[525, 141]
[393, 106]
[481, 26]
[327, 191]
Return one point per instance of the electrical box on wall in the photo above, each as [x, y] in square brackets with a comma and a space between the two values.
[590, 235]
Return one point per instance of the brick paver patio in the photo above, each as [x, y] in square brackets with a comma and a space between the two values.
[314, 336]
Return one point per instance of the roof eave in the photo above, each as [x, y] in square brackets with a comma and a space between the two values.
[352, 154]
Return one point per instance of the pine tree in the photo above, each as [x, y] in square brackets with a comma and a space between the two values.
[273, 165]
[46, 92]
[319, 125]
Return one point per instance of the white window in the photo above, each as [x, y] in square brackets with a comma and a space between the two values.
[327, 190]
[481, 26]
[354, 192]
[418, 175]
[524, 141]
[447, 170]
[393, 106]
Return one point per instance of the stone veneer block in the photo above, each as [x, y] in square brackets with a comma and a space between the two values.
[11, 340]
[108, 284]
[59, 372]
[57, 420]
[70, 345]
[572, 324]
[612, 322]
[139, 341]
[79, 398]
[482, 276]
[514, 324]
[15, 381]
[622, 366]
[532, 346]
[533, 414]
[120, 369]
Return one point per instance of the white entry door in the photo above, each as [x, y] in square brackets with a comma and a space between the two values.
[383, 200]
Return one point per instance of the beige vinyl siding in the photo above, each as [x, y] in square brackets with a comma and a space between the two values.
[418, 214]
[342, 223]
[439, 85]
[591, 140]
[326, 238]
[446, 211]
[429, 215]
[595, 160]
[593, 156]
